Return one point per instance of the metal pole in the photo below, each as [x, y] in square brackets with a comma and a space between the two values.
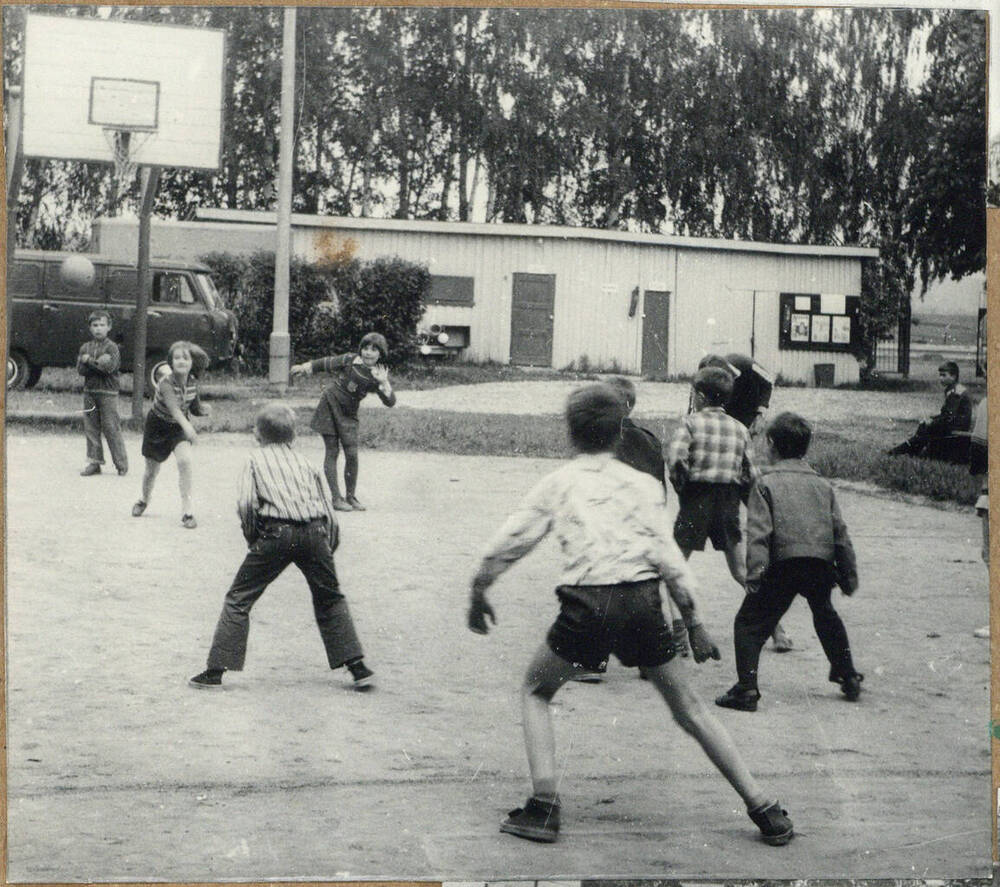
[144, 282]
[280, 342]
[15, 166]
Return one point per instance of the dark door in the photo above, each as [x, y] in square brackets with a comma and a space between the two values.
[655, 325]
[531, 319]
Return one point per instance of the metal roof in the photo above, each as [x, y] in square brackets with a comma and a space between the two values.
[486, 229]
[42, 255]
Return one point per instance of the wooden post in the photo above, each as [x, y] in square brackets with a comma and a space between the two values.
[144, 285]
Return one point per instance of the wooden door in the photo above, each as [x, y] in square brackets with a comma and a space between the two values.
[531, 319]
[655, 326]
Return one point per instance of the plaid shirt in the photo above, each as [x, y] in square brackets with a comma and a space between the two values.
[711, 447]
[610, 520]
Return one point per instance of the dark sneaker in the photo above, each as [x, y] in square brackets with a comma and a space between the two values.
[341, 504]
[851, 686]
[588, 677]
[138, 509]
[122, 471]
[355, 504]
[773, 822]
[536, 820]
[188, 522]
[738, 698]
[679, 635]
[91, 469]
[362, 674]
[209, 679]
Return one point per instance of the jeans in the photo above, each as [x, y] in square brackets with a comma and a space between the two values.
[100, 416]
[279, 544]
[761, 612]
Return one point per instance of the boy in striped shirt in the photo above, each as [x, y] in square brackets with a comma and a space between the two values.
[287, 516]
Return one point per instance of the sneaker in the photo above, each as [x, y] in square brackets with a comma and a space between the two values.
[362, 674]
[680, 638]
[352, 500]
[536, 820]
[341, 504]
[188, 522]
[91, 469]
[122, 472]
[138, 508]
[773, 822]
[209, 679]
[588, 677]
[738, 698]
[851, 686]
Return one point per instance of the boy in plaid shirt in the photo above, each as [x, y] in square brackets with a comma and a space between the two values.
[711, 470]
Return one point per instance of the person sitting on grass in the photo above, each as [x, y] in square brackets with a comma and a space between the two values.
[614, 533]
[945, 435]
[355, 375]
[797, 543]
[287, 517]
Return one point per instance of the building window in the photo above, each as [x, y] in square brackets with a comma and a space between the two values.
[819, 322]
[449, 290]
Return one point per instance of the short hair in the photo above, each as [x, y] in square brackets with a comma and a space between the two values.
[716, 360]
[199, 359]
[378, 340]
[625, 387]
[949, 367]
[714, 384]
[275, 423]
[594, 417]
[99, 314]
[790, 435]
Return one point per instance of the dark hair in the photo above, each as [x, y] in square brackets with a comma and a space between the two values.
[790, 435]
[275, 424]
[97, 315]
[199, 359]
[378, 340]
[594, 417]
[625, 387]
[716, 360]
[949, 367]
[714, 384]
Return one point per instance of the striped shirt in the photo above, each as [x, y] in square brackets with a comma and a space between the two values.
[609, 519]
[278, 482]
[711, 447]
[171, 392]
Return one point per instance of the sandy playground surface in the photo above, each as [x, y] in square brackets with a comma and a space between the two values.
[119, 771]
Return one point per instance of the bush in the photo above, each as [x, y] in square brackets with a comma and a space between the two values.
[331, 304]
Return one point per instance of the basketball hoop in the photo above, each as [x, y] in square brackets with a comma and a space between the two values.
[125, 145]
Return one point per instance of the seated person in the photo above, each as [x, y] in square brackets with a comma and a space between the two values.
[946, 435]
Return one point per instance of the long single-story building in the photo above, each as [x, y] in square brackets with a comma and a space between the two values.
[559, 296]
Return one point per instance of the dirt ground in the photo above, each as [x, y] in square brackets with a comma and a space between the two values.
[117, 770]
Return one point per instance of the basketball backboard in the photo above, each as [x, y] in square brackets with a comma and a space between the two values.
[86, 80]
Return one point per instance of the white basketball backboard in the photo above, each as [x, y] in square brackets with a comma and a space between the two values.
[85, 75]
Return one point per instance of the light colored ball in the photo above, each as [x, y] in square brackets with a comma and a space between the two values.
[77, 271]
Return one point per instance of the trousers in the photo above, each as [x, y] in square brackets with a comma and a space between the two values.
[100, 416]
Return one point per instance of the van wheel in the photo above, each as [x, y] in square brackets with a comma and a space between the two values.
[18, 370]
[34, 374]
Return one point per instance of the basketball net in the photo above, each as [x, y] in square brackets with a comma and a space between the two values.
[125, 145]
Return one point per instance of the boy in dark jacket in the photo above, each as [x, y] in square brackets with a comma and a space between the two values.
[98, 362]
[797, 543]
[945, 435]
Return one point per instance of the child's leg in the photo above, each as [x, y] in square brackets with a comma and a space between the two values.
[149, 478]
[736, 560]
[111, 427]
[314, 558]
[757, 618]
[694, 718]
[92, 429]
[830, 631]
[182, 452]
[350, 468]
[545, 675]
[331, 450]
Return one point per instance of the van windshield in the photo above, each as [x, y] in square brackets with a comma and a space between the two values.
[209, 291]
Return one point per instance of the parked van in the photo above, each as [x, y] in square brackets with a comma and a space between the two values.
[48, 315]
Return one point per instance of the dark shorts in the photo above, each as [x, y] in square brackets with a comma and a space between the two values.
[330, 420]
[160, 437]
[625, 619]
[708, 511]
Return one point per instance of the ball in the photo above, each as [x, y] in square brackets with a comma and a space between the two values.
[77, 271]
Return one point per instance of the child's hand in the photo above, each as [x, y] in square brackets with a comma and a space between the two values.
[301, 369]
[479, 609]
[702, 645]
[380, 374]
[104, 362]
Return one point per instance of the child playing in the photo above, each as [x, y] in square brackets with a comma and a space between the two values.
[98, 363]
[797, 543]
[287, 517]
[336, 416]
[612, 526]
[168, 427]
